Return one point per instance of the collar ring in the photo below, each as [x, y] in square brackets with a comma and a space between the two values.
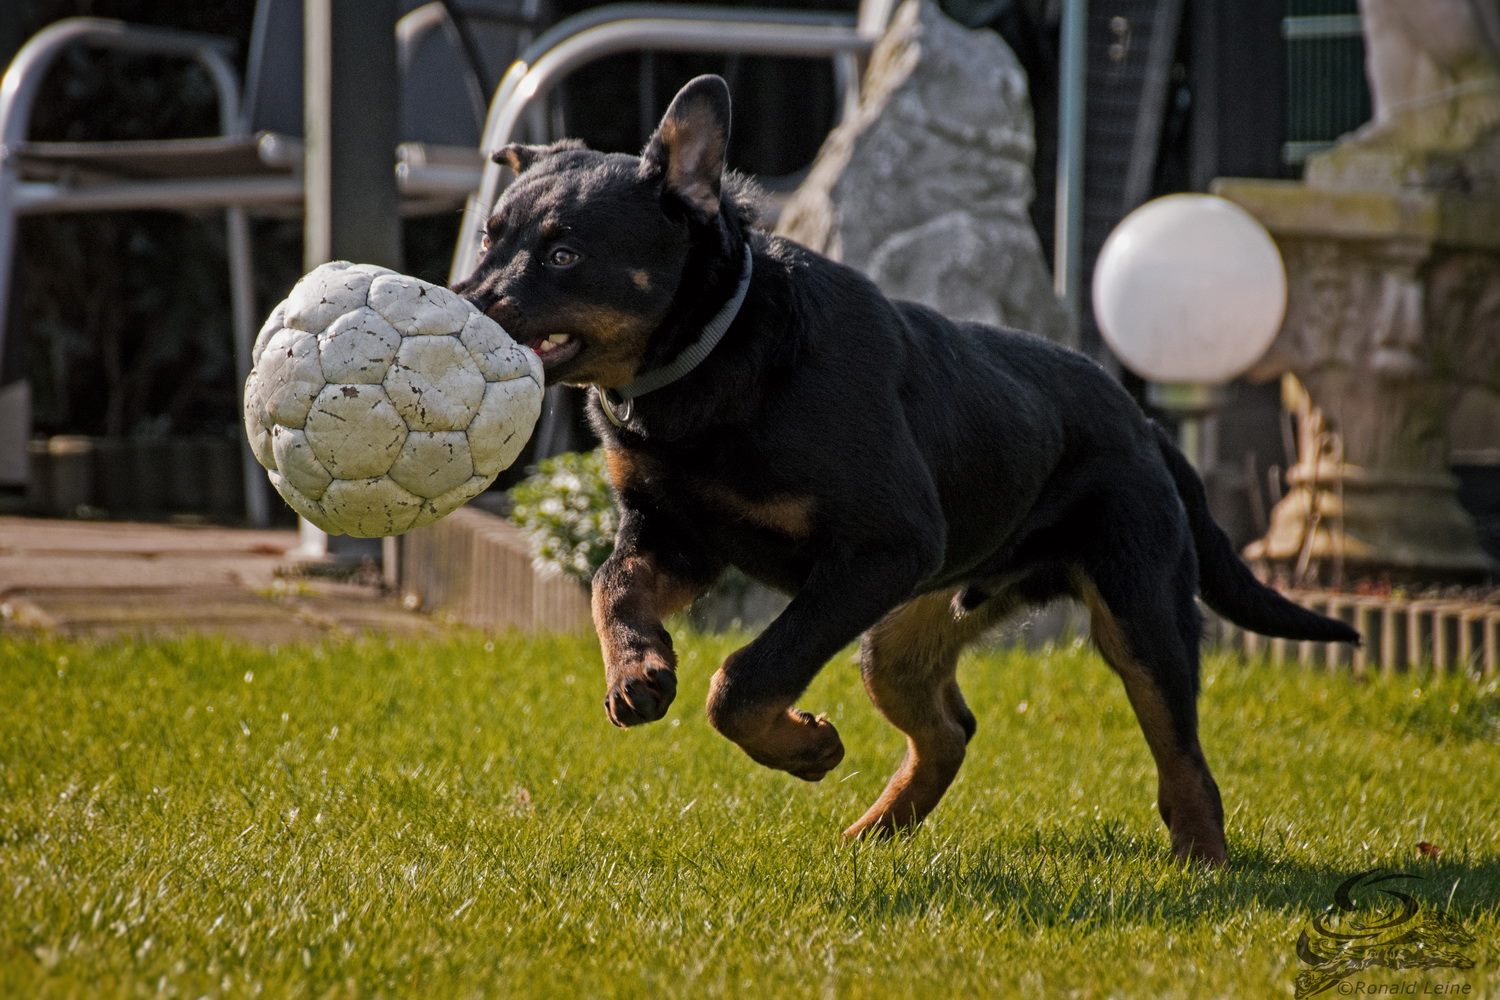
[617, 413]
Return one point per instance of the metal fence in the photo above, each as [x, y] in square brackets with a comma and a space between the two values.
[1327, 94]
[1444, 634]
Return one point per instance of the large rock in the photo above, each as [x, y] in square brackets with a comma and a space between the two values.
[926, 188]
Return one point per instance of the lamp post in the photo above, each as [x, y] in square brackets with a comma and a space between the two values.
[1189, 292]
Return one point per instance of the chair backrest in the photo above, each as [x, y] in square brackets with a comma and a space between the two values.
[443, 93]
[453, 55]
[273, 75]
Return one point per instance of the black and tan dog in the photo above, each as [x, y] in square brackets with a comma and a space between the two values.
[909, 480]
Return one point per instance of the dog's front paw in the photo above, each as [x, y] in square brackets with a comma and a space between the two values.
[822, 750]
[799, 743]
[640, 693]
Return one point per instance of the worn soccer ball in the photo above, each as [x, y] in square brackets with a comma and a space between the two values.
[379, 402]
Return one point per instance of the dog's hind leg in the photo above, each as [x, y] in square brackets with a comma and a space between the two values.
[908, 662]
[1147, 630]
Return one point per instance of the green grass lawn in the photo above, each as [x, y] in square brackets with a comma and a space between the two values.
[457, 818]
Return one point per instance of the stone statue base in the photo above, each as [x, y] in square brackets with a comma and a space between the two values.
[1393, 264]
[1342, 521]
[1376, 161]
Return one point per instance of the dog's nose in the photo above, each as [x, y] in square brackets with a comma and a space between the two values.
[481, 300]
[502, 309]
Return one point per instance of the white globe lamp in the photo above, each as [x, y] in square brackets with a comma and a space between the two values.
[1189, 292]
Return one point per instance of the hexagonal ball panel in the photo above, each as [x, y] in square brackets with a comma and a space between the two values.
[255, 426]
[301, 503]
[433, 462]
[447, 503]
[434, 384]
[358, 347]
[290, 376]
[504, 423]
[355, 431]
[370, 508]
[329, 291]
[416, 308]
[497, 356]
[273, 325]
[297, 463]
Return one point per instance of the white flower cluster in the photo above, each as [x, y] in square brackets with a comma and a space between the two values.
[380, 402]
[568, 515]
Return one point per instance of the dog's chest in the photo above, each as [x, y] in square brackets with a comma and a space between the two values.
[714, 492]
[770, 534]
[786, 515]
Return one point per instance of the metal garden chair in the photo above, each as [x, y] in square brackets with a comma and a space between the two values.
[450, 53]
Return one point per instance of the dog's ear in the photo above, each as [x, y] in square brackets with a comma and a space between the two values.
[521, 157]
[688, 147]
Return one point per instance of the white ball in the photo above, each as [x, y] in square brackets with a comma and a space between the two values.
[379, 402]
[1189, 288]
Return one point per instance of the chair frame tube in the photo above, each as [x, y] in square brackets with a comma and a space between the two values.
[588, 37]
[19, 89]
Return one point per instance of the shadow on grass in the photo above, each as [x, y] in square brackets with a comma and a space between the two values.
[1105, 876]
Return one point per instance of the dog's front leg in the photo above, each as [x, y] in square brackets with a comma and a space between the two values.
[751, 698]
[633, 591]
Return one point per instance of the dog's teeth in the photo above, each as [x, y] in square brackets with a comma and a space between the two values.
[558, 338]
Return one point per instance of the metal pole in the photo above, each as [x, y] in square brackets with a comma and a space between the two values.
[1193, 407]
[350, 113]
[350, 120]
[242, 303]
[1067, 255]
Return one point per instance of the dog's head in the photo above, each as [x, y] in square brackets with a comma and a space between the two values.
[588, 256]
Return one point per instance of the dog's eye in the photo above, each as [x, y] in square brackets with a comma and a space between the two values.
[563, 257]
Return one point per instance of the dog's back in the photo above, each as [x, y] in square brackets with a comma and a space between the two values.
[1012, 429]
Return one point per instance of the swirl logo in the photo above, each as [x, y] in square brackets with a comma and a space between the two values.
[1345, 939]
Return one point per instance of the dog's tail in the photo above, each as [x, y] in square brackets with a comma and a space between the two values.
[1226, 583]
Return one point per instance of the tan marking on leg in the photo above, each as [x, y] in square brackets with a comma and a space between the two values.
[621, 466]
[630, 598]
[908, 662]
[638, 595]
[1186, 795]
[629, 467]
